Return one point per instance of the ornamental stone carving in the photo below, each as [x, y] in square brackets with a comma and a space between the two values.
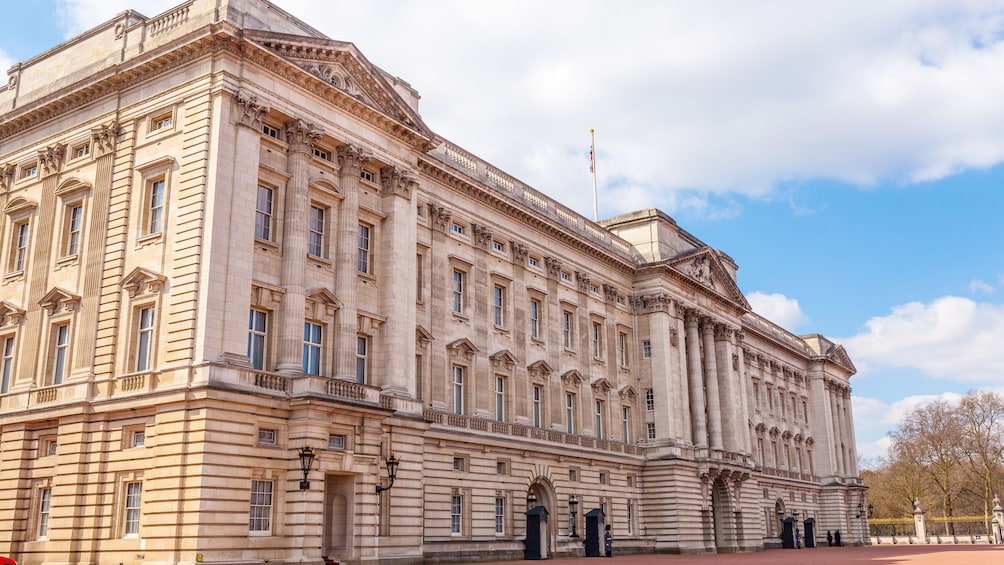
[352, 158]
[482, 236]
[104, 136]
[52, 158]
[553, 267]
[397, 182]
[440, 217]
[582, 279]
[520, 252]
[6, 175]
[700, 270]
[251, 110]
[300, 136]
[609, 292]
[645, 303]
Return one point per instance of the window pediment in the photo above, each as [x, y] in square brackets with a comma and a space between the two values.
[601, 385]
[462, 346]
[627, 393]
[10, 315]
[58, 300]
[572, 378]
[369, 323]
[72, 189]
[422, 337]
[503, 358]
[539, 369]
[142, 281]
[20, 206]
[321, 303]
[264, 295]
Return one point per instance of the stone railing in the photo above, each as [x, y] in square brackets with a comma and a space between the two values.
[470, 165]
[520, 430]
[168, 20]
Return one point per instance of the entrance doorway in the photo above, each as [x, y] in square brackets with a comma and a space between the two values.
[338, 523]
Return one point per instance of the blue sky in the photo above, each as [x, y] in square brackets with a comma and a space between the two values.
[847, 155]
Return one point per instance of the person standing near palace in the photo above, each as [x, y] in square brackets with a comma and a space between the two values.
[608, 542]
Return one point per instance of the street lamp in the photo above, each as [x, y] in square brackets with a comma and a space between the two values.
[531, 500]
[392, 463]
[798, 536]
[871, 511]
[861, 510]
[306, 462]
[573, 508]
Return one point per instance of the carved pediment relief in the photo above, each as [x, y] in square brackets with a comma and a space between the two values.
[462, 347]
[840, 357]
[572, 378]
[264, 295]
[143, 281]
[503, 358]
[601, 385]
[58, 301]
[539, 369]
[10, 315]
[627, 393]
[321, 304]
[705, 268]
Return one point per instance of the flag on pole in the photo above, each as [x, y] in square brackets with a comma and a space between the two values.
[591, 159]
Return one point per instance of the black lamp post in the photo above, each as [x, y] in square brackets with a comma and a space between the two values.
[306, 462]
[531, 500]
[392, 463]
[861, 510]
[573, 510]
[798, 541]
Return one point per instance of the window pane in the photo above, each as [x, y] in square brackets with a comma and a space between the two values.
[145, 339]
[263, 214]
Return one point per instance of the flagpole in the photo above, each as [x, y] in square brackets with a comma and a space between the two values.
[592, 168]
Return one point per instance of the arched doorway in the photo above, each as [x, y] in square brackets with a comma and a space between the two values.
[541, 493]
[722, 516]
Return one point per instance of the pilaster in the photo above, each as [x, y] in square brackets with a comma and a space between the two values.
[350, 161]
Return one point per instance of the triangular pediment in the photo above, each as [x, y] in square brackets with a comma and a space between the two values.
[422, 335]
[703, 267]
[627, 393]
[503, 358]
[840, 357]
[141, 281]
[601, 385]
[462, 346]
[10, 314]
[572, 378]
[539, 369]
[348, 77]
[321, 303]
[57, 300]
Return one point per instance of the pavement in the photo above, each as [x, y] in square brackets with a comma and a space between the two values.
[875, 555]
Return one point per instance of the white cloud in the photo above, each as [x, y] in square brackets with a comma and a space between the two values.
[779, 309]
[980, 286]
[685, 95]
[949, 338]
[873, 419]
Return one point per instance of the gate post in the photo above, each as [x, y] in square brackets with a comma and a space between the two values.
[998, 520]
[918, 522]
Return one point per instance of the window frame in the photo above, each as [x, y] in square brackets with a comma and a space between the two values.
[363, 353]
[316, 229]
[44, 512]
[264, 219]
[313, 347]
[457, 386]
[7, 358]
[20, 242]
[132, 505]
[260, 522]
[60, 349]
[364, 248]
[145, 336]
[258, 320]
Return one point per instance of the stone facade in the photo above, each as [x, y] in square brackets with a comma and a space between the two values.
[226, 237]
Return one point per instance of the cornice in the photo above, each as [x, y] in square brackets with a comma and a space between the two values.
[694, 284]
[523, 214]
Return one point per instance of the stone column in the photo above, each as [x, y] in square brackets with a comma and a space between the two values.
[711, 382]
[728, 388]
[554, 401]
[396, 273]
[350, 161]
[743, 412]
[695, 379]
[519, 401]
[838, 440]
[852, 463]
[441, 303]
[482, 288]
[300, 136]
[657, 310]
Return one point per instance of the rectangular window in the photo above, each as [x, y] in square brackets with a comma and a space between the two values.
[498, 306]
[457, 229]
[626, 424]
[570, 413]
[622, 354]
[82, 150]
[144, 339]
[537, 400]
[336, 441]
[322, 154]
[646, 349]
[567, 329]
[261, 507]
[459, 464]
[311, 348]
[162, 122]
[458, 390]
[499, 515]
[458, 291]
[649, 399]
[597, 340]
[630, 518]
[266, 436]
[500, 399]
[535, 318]
[419, 278]
[6, 365]
[501, 468]
[138, 438]
[456, 509]
[362, 359]
[315, 243]
[498, 246]
[270, 131]
[600, 416]
[263, 213]
[759, 451]
[19, 249]
[44, 508]
[74, 220]
[650, 427]
[364, 264]
[257, 336]
[756, 396]
[366, 175]
[29, 171]
[61, 348]
[155, 207]
[133, 499]
[533, 261]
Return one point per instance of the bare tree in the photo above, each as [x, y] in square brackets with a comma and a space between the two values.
[982, 417]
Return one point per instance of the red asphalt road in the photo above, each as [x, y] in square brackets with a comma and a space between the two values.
[876, 555]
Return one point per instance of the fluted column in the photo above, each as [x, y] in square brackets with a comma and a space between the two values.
[300, 135]
[350, 161]
[711, 384]
[727, 387]
[852, 461]
[695, 379]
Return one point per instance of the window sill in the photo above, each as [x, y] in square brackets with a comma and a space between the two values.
[13, 276]
[266, 245]
[462, 317]
[66, 261]
[320, 262]
[149, 239]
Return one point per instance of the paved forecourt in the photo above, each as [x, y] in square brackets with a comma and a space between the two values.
[879, 555]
